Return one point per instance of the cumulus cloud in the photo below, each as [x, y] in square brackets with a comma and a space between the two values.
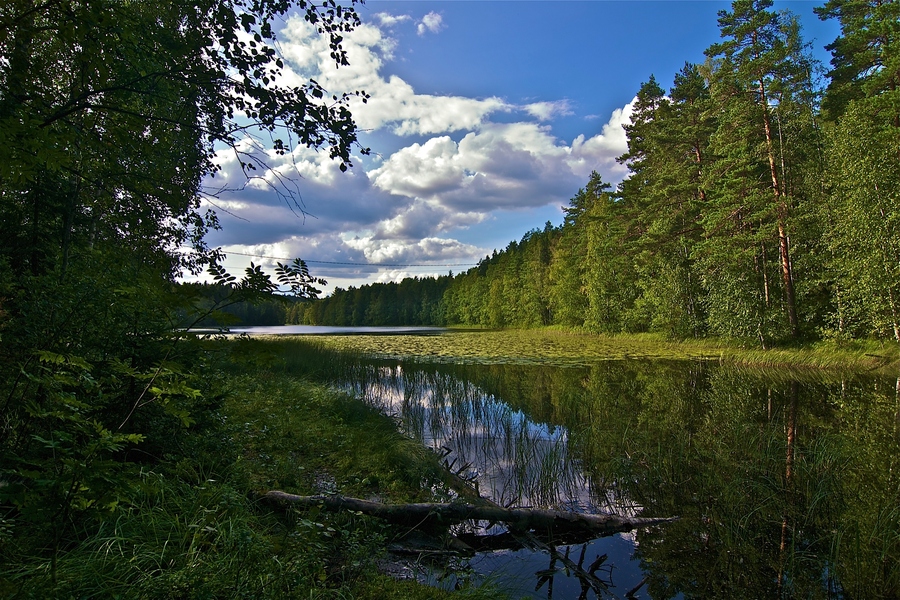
[461, 170]
[431, 23]
[393, 103]
[407, 209]
[301, 192]
[513, 165]
[432, 249]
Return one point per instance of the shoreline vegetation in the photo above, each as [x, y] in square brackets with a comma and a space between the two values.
[560, 346]
[193, 524]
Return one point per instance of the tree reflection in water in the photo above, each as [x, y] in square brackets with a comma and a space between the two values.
[787, 485]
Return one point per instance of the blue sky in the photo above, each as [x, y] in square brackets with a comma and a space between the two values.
[485, 117]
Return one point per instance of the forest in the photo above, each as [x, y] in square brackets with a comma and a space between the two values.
[762, 203]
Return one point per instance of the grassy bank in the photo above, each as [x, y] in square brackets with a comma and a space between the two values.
[191, 526]
[563, 347]
[185, 521]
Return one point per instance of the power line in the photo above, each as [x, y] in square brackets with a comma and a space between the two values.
[351, 264]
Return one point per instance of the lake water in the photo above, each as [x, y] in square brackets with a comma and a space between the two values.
[332, 330]
[785, 486]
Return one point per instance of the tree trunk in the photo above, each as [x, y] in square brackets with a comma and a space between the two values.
[782, 212]
[790, 456]
[450, 513]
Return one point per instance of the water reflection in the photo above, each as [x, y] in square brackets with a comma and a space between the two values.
[786, 486]
[511, 458]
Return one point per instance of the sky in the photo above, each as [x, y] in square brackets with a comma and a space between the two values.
[484, 119]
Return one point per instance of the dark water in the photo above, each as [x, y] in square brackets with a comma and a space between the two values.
[786, 486]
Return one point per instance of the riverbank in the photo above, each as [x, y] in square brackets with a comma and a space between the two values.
[566, 347]
[192, 524]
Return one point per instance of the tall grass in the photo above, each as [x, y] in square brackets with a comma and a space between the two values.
[191, 525]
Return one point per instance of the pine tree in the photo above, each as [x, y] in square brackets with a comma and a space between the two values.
[668, 143]
[763, 70]
[568, 296]
[866, 56]
[609, 277]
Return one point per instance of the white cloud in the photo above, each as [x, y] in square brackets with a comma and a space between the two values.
[408, 208]
[609, 144]
[389, 20]
[432, 22]
[393, 276]
[544, 111]
[431, 249]
[393, 101]
[514, 165]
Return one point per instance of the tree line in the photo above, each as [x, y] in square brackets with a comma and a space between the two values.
[761, 203]
[412, 301]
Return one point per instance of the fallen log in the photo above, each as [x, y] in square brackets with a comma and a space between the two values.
[522, 519]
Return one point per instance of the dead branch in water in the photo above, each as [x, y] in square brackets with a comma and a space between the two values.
[522, 519]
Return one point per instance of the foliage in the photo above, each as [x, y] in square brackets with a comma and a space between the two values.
[111, 117]
[864, 242]
[864, 149]
[865, 56]
[413, 301]
[190, 526]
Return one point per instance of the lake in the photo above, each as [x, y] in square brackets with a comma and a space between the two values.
[331, 330]
[785, 485]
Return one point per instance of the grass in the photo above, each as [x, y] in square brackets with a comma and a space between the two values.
[560, 347]
[191, 525]
[307, 439]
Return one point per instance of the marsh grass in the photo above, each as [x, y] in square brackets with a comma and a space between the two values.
[296, 432]
[514, 460]
[568, 348]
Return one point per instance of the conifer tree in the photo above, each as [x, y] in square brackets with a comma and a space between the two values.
[609, 277]
[568, 297]
[668, 143]
[762, 71]
[866, 56]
